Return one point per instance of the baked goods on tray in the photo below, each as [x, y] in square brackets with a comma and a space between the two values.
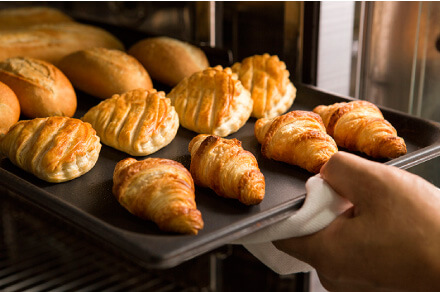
[103, 72]
[360, 126]
[298, 138]
[169, 60]
[212, 101]
[9, 108]
[42, 89]
[138, 122]
[225, 167]
[160, 190]
[55, 149]
[267, 78]
[19, 17]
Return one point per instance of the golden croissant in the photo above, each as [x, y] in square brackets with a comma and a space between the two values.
[55, 149]
[297, 138]
[267, 78]
[225, 167]
[360, 126]
[160, 190]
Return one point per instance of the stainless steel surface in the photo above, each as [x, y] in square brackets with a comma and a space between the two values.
[402, 63]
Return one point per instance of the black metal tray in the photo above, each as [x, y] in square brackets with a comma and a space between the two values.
[88, 204]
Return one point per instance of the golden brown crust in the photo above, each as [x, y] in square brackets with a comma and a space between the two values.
[160, 190]
[55, 149]
[52, 41]
[13, 18]
[298, 138]
[267, 78]
[169, 60]
[225, 167]
[41, 88]
[103, 72]
[212, 101]
[359, 126]
[138, 122]
[9, 108]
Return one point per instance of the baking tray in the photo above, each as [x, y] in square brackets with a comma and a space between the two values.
[88, 204]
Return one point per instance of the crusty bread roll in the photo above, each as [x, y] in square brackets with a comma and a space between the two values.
[9, 108]
[169, 60]
[51, 42]
[42, 89]
[12, 18]
[103, 72]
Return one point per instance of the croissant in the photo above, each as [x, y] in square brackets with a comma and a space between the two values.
[212, 101]
[160, 190]
[138, 122]
[298, 138]
[54, 149]
[225, 167]
[360, 126]
[267, 78]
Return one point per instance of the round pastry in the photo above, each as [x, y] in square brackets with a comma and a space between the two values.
[103, 72]
[42, 89]
[138, 122]
[212, 101]
[267, 78]
[55, 149]
[9, 108]
[169, 60]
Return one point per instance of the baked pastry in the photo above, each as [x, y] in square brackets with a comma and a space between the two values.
[9, 108]
[13, 18]
[52, 41]
[160, 190]
[103, 72]
[212, 101]
[169, 60]
[138, 122]
[55, 149]
[360, 126]
[42, 89]
[225, 167]
[267, 78]
[297, 138]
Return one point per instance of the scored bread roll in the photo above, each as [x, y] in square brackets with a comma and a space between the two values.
[11, 18]
[169, 60]
[103, 72]
[42, 89]
[51, 42]
[9, 108]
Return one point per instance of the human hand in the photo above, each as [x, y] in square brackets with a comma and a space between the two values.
[389, 239]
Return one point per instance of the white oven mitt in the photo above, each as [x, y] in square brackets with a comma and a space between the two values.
[321, 206]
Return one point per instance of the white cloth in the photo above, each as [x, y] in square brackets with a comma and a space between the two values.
[321, 206]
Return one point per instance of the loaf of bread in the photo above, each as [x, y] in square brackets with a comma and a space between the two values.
[51, 42]
[169, 60]
[9, 108]
[42, 89]
[12, 18]
[103, 72]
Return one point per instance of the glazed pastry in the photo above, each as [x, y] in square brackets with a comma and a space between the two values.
[55, 149]
[267, 78]
[160, 190]
[138, 122]
[298, 138]
[225, 167]
[212, 101]
[360, 126]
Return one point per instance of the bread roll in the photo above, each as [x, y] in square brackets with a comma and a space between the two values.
[169, 60]
[42, 89]
[9, 108]
[51, 42]
[12, 18]
[103, 72]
